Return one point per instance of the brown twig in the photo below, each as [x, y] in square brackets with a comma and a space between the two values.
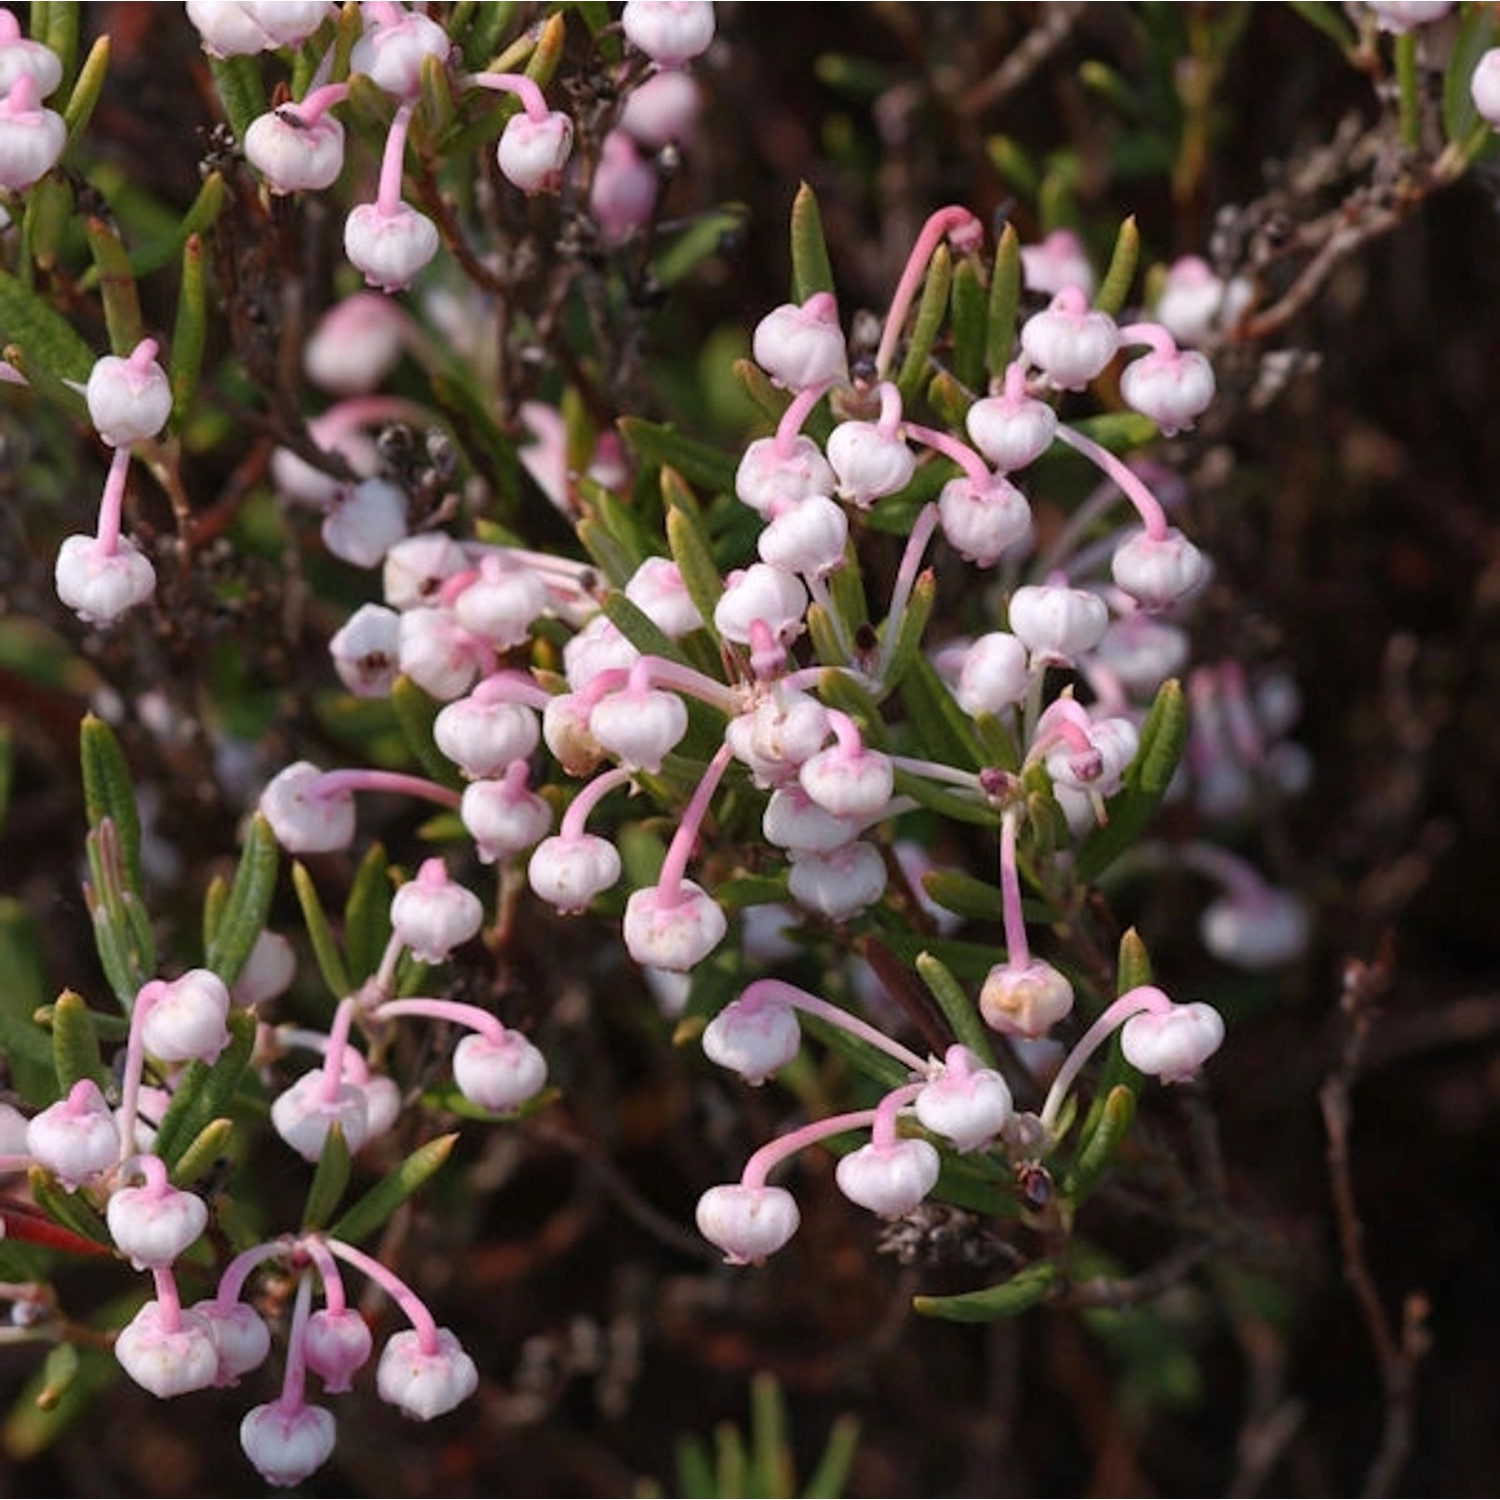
[1397, 1352]
[1054, 25]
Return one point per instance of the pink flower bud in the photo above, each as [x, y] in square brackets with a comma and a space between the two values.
[657, 590]
[889, 1180]
[569, 872]
[356, 344]
[239, 28]
[76, 1138]
[747, 1223]
[1258, 928]
[639, 726]
[1057, 624]
[753, 1038]
[185, 1020]
[287, 1442]
[433, 915]
[1174, 1043]
[32, 137]
[153, 1225]
[439, 655]
[1397, 16]
[100, 584]
[425, 1383]
[1067, 342]
[498, 1074]
[806, 536]
[1172, 387]
[1484, 88]
[849, 783]
[1142, 652]
[388, 249]
[532, 153]
[669, 32]
[777, 735]
[167, 1351]
[965, 1103]
[305, 818]
[292, 156]
[661, 111]
[335, 1344]
[365, 521]
[768, 477]
[482, 736]
[129, 399]
[305, 1113]
[1011, 431]
[240, 1336]
[673, 930]
[366, 651]
[793, 821]
[982, 522]
[1057, 261]
[623, 192]
[1025, 1000]
[765, 593]
[841, 882]
[1194, 301]
[1157, 572]
[416, 566]
[20, 55]
[869, 461]
[994, 674]
[565, 728]
[503, 817]
[802, 346]
[391, 52]
[598, 647]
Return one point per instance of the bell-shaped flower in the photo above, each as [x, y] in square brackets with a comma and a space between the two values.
[753, 1038]
[498, 1073]
[425, 1379]
[889, 1179]
[747, 1223]
[432, 915]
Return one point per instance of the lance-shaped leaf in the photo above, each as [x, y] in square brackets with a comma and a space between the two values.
[324, 945]
[117, 288]
[1102, 1133]
[931, 307]
[1146, 779]
[828, 645]
[1133, 967]
[874, 1064]
[688, 544]
[72, 1210]
[241, 91]
[208, 1147]
[830, 1476]
[702, 464]
[55, 24]
[640, 629]
[109, 792]
[632, 539]
[944, 731]
[85, 95]
[44, 1411]
[949, 399]
[961, 1013]
[242, 917]
[122, 928]
[1006, 1300]
[846, 587]
[49, 218]
[1005, 299]
[811, 269]
[330, 1180]
[43, 336]
[911, 630]
[23, 991]
[75, 1044]
[703, 237]
[204, 1091]
[969, 319]
[189, 330]
[963, 894]
[416, 712]
[842, 691]
[1115, 287]
[377, 1205]
[367, 914]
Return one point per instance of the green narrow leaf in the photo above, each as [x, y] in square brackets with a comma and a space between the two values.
[848, 694]
[945, 730]
[56, 26]
[241, 91]
[1115, 287]
[1014, 164]
[831, 1476]
[24, 1044]
[247, 904]
[963, 894]
[71, 1210]
[45, 339]
[75, 1045]
[931, 307]
[878, 1066]
[1102, 1137]
[1134, 966]
[961, 1012]
[824, 635]
[698, 463]
[949, 399]
[633, 539]
[909, 636]
[320, 934]
[86, 92]
[109, 791]
[416, 711]
[1005, 300]
[214, 896]
[1476, 35]
[1025, 1289]
[969, 317]
[117, 288]
[49, 215]
[690, 551]
[382, 1200]
[490, 23]
[189, 329]
[770, 1456]
[1132, 808]
[330, 1180]
[640, 629]
[211, 1144]
[205, 1091]
[729, 1453]
[811, 269]
[31, 1426]
[695, 1472]
[549, 48]
[1330, 20]
[367, 914]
